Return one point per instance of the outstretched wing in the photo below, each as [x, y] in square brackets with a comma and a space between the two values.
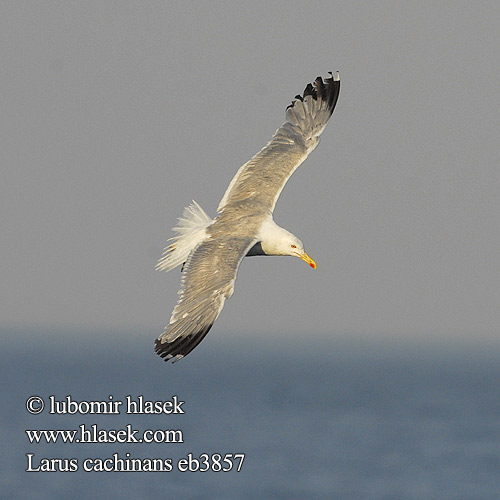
[207, 281]
[265, 175]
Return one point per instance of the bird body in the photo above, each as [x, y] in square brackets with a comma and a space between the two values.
[211, 250]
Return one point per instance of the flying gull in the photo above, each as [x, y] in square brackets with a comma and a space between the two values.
[211, 250]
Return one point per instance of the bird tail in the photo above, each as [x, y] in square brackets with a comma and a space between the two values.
[191, 230]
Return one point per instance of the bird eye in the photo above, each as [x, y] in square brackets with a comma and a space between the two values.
[294, 246]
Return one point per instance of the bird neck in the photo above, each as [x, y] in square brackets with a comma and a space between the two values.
[271, 238]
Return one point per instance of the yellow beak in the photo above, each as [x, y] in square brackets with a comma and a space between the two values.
[308, 259]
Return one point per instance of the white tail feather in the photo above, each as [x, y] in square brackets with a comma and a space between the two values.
[191, 230]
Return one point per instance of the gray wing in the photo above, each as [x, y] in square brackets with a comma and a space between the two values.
[265, 175]
[207, 281]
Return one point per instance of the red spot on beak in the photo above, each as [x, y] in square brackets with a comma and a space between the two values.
[312, 265]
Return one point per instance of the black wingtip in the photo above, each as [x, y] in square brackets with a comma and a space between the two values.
[327, 90]
[181, 346]
[310, 90]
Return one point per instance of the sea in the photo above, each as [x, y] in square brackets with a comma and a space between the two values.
[96, 414]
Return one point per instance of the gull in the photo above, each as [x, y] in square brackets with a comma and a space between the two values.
[210, 251]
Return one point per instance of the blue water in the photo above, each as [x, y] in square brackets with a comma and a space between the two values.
[316, 419]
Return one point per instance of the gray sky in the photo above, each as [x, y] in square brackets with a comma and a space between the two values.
[114, 115]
